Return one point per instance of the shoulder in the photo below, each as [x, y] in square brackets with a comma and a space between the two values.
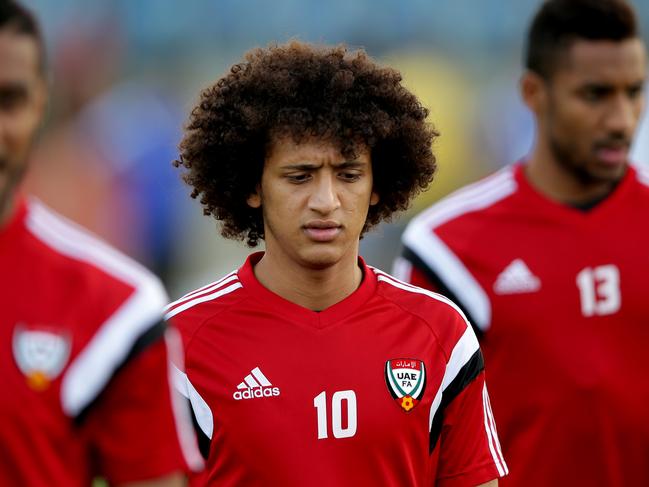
[443, 317]
[473, 200]
[117, 302]
[642, 176]
[189, 312]
[76, 255]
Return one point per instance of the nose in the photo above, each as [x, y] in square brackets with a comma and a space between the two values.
[623, 115]
[324, 198]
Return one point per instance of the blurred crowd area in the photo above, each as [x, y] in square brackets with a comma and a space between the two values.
[125, 74]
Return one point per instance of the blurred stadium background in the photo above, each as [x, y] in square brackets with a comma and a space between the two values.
[126, 73]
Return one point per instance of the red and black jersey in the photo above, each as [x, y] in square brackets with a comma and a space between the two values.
[85, 380]
[385, 388]
[559, 296]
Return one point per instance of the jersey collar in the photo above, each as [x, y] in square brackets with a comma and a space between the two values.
[609, 204]
[291, 311]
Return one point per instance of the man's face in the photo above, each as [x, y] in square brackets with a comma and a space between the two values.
[314, 202]
[592, 105]
[22, 100]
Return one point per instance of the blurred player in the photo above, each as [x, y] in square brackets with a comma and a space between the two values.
[549, 258]
[305, 366]
[85, 387]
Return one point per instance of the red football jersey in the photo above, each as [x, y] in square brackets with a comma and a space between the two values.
[85, 380]
[560, 297]
[385, 388]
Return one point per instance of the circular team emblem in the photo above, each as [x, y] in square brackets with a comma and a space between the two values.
[406, 381]
[40, 354]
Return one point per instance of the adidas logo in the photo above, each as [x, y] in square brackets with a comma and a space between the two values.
[516, 278]
[255, 384]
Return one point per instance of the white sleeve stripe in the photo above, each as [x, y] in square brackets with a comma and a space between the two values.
[205, 289]
[490, 436]
[451, 270]
[477, 200]
[202, 299]
[73, 241]
[89, 373]
[422, 240]
[475, 197]
[179, 381]
[93, 367]
[202, 411]
[464, 349]
[457, 198]
[494, 431]
[180, 407]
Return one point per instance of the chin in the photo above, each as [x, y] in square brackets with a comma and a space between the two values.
[608, 174]
[318, 259]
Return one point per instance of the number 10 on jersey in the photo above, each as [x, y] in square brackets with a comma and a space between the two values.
[337, 400]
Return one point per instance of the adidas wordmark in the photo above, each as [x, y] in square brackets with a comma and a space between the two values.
[255, 385]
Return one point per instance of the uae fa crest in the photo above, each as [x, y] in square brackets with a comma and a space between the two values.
[406, 381]
[40, 353]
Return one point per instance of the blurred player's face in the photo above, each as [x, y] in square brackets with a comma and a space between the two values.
[22, 100]
[314, 202]
[591, 108]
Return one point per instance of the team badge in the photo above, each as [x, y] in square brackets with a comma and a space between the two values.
[41, 354]
[406, 381]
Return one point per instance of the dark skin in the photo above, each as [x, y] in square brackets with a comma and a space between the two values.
[587, 112]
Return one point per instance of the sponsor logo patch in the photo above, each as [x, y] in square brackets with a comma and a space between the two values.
[406, 381]
[40, 353]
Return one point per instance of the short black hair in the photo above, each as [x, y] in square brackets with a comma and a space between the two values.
[302, 90]
[20, 20]
[558, 23]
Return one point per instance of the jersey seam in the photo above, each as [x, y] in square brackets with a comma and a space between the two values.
[430, 328]
[204, 322]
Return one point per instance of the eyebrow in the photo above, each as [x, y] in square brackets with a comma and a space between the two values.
[309, 166]
[13, 88]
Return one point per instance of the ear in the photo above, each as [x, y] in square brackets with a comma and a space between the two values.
[254, 199]
[374, 198]
[533, 91]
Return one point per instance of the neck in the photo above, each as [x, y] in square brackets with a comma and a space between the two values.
[7, 208]
[552, 179]
[312, 288]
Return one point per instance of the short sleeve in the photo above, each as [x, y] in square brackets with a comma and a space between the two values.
[132, 429]
[470, 452]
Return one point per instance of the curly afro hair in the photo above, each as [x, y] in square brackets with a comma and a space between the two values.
[302, 91]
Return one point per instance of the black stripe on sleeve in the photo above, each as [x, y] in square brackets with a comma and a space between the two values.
[203, 440]
[439, 285]
[465, 376]
[152, 335]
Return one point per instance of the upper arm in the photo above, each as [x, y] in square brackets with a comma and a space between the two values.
[133, 428]
[469, 448]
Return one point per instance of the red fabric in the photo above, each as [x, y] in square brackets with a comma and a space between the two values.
[129, 430]
[274, 440]
[569, 391]
[463, 416]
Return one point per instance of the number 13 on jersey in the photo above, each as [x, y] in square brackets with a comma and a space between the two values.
[337, 428]
[599, 290]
